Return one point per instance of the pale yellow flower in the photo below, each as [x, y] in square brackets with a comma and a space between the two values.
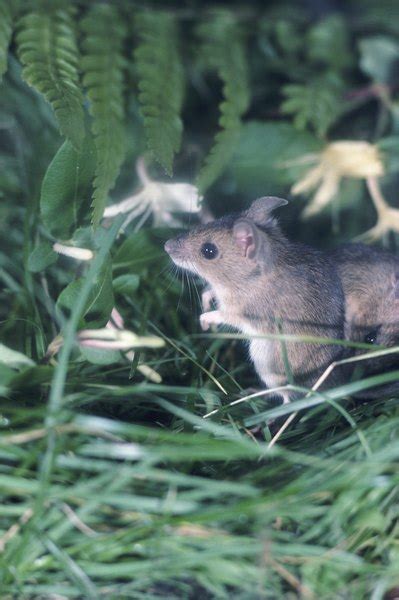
[387, 217]
[344, 158]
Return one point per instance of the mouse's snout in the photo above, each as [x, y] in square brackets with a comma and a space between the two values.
[173, 247]
[169, 246]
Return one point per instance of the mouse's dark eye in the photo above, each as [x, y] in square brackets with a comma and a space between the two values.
[209, 251]
[371, 337]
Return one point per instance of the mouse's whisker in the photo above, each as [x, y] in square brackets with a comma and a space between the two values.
[182, 272]
[169, 275]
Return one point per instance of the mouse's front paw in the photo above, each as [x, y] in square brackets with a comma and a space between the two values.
[207, 319]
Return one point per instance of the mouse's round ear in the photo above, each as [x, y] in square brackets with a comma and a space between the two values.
[246, 237]
[261, 209]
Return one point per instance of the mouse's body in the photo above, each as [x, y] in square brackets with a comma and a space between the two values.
[264, 284]
[370, 279]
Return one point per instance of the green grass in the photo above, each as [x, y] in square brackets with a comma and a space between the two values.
[121, 489]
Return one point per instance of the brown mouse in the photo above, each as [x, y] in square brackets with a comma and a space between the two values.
[370, 280]
[265, 284]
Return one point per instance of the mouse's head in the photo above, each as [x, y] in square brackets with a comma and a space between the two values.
[230, 250]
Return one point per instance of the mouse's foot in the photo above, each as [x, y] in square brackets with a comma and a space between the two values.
[214, 317]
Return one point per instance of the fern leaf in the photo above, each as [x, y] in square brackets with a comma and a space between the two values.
[48, 51]
[317, 103]
[161, 83]
[5, 34]
[223, 51]
[103, 65]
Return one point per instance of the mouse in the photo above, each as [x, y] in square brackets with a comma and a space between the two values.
[262, 283]
[370, 280]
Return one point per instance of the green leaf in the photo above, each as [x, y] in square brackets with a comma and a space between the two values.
[101, 299]
[389, 147]
[12, 358]
[316, 103]
[379, 58]
[138, 252]
[99, 356]
[223, 51]
[5, 33]
[31, 377]
[161, 83]
[103, 34]
[7, 374]
[41, 257]
[126, 284]
[258, 165]
[47, 48]
[66, 188]
[328, 43]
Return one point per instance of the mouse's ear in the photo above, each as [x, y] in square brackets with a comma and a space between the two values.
[261, 209]
[246, 236]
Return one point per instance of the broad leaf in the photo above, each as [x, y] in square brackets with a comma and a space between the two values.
[15, 359]
[41, 257]
[379, 58]
[140, 251]
[262, 163]
[66, 188]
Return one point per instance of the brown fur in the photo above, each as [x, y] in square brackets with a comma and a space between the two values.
[370, 281]
[265, 284]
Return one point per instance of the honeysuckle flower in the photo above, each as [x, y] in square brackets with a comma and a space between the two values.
[387, 217]
[160, 199]
[344, 158]
[116, 339]
[73, 251]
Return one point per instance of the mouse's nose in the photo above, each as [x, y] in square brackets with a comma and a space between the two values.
[169, 245]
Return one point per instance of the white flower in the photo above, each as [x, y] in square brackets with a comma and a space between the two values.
[73, 251]
[116, 339]
[345, 158]
[160, 199]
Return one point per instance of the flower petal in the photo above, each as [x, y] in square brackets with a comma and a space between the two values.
[308, 181]
[326, 192]
[73, 251]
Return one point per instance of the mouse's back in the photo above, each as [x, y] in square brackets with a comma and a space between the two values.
[370, 280]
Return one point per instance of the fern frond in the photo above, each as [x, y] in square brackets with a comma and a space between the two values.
[47, 49]
[223, 51]
[161, 83]
[103, 65]
[5, 34]
[317, 103]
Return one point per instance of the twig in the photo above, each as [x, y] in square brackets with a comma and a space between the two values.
[14, 529]
[74, 519]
